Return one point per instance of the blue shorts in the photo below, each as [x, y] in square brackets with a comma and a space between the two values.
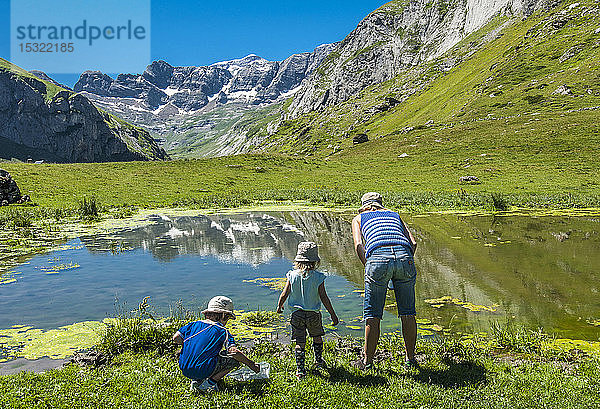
[387, 263]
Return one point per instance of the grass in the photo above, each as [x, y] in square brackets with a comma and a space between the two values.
[452, 374]
[89, 208]
[550, 177]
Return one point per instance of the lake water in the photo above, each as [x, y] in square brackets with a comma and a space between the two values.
[539, 271]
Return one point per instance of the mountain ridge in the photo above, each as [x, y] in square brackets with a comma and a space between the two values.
[399, 35]
[59, 125]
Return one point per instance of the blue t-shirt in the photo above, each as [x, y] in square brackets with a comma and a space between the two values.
[304, 293]
[202, 342]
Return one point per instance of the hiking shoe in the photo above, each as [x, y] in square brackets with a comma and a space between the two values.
[206, 386]
[300, 374]
[408, 364]
[360, 364]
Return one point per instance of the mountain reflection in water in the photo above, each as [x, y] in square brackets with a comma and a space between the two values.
[543, 271]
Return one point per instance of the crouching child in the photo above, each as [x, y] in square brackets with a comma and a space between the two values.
[208, 349]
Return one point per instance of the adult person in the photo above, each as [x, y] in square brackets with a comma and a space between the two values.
[386, 247]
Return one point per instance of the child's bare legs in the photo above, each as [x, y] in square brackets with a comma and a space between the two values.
[220, 375]
[233, 360]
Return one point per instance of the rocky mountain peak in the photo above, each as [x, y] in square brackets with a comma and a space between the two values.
[165, 91]
[395, 37]
[44, 122]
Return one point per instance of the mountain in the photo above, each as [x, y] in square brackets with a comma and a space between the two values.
[171, 101]
[43, 76]
[41, 120]
[529, 58]
[411, 67]
[400, 35]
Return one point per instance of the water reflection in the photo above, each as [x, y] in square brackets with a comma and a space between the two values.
[541, 271]
[251, 238]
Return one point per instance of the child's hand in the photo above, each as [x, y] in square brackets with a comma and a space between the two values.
[255, 367]
[334, 320]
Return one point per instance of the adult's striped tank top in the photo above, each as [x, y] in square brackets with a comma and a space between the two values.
[383, 228]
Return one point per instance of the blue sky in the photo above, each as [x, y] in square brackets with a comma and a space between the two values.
[201, 32]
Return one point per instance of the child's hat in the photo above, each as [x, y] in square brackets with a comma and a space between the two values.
[220, 304]
[308, 252]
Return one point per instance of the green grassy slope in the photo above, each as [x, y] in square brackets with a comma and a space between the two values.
[518, 72]
[227, 127]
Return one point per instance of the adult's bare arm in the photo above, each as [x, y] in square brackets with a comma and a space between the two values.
[413, 242]
[359, 247]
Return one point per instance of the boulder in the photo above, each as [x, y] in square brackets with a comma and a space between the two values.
[360, 138]
[474, 180]
[9, 191]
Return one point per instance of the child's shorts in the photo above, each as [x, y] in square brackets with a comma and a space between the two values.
[306, 320]
[225, 363]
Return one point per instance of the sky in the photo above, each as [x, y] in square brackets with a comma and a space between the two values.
[202, 32]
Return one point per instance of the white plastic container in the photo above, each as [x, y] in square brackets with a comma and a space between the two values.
[245, 374]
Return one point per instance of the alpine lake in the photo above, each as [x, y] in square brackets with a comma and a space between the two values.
[540, 270]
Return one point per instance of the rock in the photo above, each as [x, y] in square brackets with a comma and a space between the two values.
[91, 358]
[394, 38]
[67, 127]
[563, 90]
[570, 53]
[474, 180]
[252, 80]
[360, 138]
[43, 76]
[9, 191]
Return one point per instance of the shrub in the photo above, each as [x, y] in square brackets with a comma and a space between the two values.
[499, 202]
[89, 208]
[140, 331]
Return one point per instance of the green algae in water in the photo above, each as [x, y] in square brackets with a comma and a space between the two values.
[60, 267]
[273, 283]
[448, 300]
[27, 342]
[9, 277]
[595, 323]
[34, 343]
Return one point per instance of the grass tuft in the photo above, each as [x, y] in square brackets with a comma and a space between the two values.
[89, 208]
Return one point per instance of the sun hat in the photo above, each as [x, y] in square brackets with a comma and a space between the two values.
[307, 252]
[220, 304]
[371, 199]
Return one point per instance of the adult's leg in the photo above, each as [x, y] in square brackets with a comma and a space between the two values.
[377, 276]
[371, 338]
[404, 279]
[409, 333]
